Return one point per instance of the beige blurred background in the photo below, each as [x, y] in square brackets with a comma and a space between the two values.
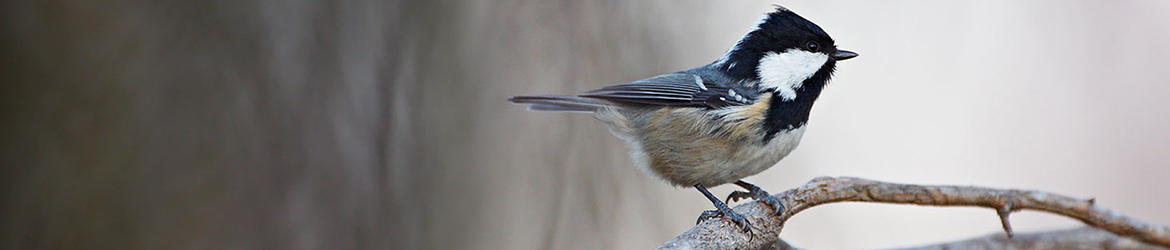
[350, 124]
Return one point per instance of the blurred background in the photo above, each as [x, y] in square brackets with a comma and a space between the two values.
[306, 124]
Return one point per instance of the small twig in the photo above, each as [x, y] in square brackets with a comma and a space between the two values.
[1005, 211]
[718, 234]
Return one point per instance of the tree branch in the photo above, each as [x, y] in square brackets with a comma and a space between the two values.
[719, 234]
[1085, 238]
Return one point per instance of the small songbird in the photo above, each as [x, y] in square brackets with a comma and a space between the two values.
[723, 121]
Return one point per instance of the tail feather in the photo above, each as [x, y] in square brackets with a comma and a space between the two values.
[560, 103]
[558, 108]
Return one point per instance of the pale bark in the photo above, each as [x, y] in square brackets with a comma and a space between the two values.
[720, 234]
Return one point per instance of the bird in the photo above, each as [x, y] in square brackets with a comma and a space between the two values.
[721, 122]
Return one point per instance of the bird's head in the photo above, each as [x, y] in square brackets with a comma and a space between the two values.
[784, 53]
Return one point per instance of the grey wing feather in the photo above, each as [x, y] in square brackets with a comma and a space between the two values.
[676, 89]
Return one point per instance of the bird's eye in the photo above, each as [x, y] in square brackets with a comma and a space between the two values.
[812, 46]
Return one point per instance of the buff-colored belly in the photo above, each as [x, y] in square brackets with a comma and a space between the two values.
[713, 162]
[689, 146]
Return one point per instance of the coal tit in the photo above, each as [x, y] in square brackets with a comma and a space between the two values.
[723, 121]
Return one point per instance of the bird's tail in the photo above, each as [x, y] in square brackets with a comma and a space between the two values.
[561, 103]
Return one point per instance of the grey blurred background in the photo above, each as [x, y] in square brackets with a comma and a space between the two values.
[305, 124]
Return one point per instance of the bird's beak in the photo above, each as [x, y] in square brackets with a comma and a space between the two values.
[842, 55]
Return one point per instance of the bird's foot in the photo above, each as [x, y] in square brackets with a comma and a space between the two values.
[757, 193]
[721, 210]
[726, 212]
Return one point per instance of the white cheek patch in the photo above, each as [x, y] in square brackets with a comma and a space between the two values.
[785, 72]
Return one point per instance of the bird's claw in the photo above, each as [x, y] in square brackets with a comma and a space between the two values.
[736, 218]
[760, 195]
[777, 207]
[736, 196]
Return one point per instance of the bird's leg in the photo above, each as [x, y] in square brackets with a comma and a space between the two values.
[721, 210]
[755, 192]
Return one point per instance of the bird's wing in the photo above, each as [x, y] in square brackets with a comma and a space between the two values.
[675, 89]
